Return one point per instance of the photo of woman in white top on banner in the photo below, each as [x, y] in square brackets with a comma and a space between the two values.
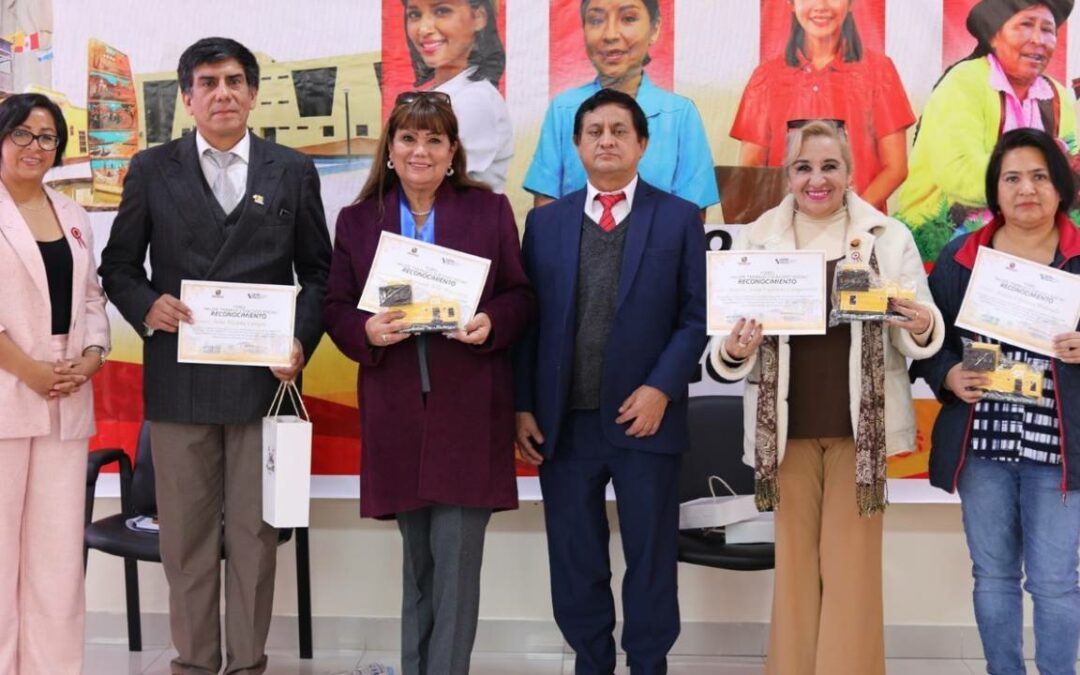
[453, 46]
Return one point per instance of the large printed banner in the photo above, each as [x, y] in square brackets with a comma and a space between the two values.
[576, 44]
[777, 19]
[957, 42]
[751, 68]
[413, 34]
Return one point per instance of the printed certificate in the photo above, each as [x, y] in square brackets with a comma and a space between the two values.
[783, 290]
[237, 324]
[434, 273]
[1019, 302]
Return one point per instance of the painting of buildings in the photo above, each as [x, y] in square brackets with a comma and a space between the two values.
[325, 107]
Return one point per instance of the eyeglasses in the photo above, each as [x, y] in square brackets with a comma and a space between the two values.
[434, 97]
[23, 138]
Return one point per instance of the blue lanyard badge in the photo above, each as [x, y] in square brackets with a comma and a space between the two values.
[408, 224]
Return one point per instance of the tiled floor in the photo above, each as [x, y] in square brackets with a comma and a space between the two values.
[116, 660]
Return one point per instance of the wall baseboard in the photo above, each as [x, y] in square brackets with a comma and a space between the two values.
[542, 637]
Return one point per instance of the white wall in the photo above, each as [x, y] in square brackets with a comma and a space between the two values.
[356, 571]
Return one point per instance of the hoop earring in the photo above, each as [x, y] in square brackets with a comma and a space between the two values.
[450, 171]
[389, 164]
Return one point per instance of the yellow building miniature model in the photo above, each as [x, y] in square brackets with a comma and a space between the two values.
[1005, 377]
[858, 295]
[432, 315]
[874, 300]
[1017, 379]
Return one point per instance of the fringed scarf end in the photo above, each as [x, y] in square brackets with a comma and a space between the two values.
[872, 498]
[766, 494]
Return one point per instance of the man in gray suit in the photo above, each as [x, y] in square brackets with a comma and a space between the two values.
[218, 204]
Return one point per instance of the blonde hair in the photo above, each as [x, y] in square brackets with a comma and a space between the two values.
[817, 129]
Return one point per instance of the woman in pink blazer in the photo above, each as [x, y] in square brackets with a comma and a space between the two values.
[53, 338]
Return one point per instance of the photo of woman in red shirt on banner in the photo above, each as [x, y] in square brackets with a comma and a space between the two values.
[826, 72]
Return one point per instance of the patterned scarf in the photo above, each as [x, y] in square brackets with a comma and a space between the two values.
[870, 454]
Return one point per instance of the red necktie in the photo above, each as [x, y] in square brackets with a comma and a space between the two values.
[607, 218]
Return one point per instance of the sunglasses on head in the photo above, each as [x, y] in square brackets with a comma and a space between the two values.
[410, 97]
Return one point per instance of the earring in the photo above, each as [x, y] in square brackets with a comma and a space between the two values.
[389, 164]
[450, 171]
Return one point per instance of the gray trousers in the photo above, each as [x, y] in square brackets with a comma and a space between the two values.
[443, 552]
[207, 475]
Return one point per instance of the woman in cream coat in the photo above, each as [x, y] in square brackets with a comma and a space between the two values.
[823, 412]
[53, 338]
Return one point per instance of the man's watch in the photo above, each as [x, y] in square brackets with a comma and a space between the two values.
[147, 331]
[100, 352]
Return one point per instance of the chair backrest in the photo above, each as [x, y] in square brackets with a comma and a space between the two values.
[143, 492]
[716, 448]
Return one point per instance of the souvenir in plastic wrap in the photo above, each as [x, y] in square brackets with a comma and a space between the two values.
[861, 294]
[1010, 381]
[433, 315]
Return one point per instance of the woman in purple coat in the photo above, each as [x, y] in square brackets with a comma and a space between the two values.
[437, 414]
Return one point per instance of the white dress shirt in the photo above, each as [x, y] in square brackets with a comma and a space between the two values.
[594, 209]
[237, 171]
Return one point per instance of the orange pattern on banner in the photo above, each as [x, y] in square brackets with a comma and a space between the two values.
[111, 93]
[569, 66]
[397, 71]
[118, 408]
[916, 464]
[776, 26]
[957, 42]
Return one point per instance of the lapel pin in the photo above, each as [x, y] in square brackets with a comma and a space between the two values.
[258, 199]
[76, 234]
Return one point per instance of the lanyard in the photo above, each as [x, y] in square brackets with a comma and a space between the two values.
[427, 235]
[408, 224]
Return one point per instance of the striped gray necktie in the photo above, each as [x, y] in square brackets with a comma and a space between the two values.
[223, 187]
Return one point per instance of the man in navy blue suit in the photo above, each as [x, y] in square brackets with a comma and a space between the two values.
[601, 386]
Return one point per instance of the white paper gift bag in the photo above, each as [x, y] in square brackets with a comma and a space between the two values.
[286, 462]
[707, 512]
[759, 530]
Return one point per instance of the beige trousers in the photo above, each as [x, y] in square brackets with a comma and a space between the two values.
[827, 611]
[209, 495]
[42, 505]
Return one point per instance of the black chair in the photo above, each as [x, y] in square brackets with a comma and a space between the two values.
[716, 449]
[137, 498]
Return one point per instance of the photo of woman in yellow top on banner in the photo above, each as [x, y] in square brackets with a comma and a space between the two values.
[1001, 85]
[826, 71]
